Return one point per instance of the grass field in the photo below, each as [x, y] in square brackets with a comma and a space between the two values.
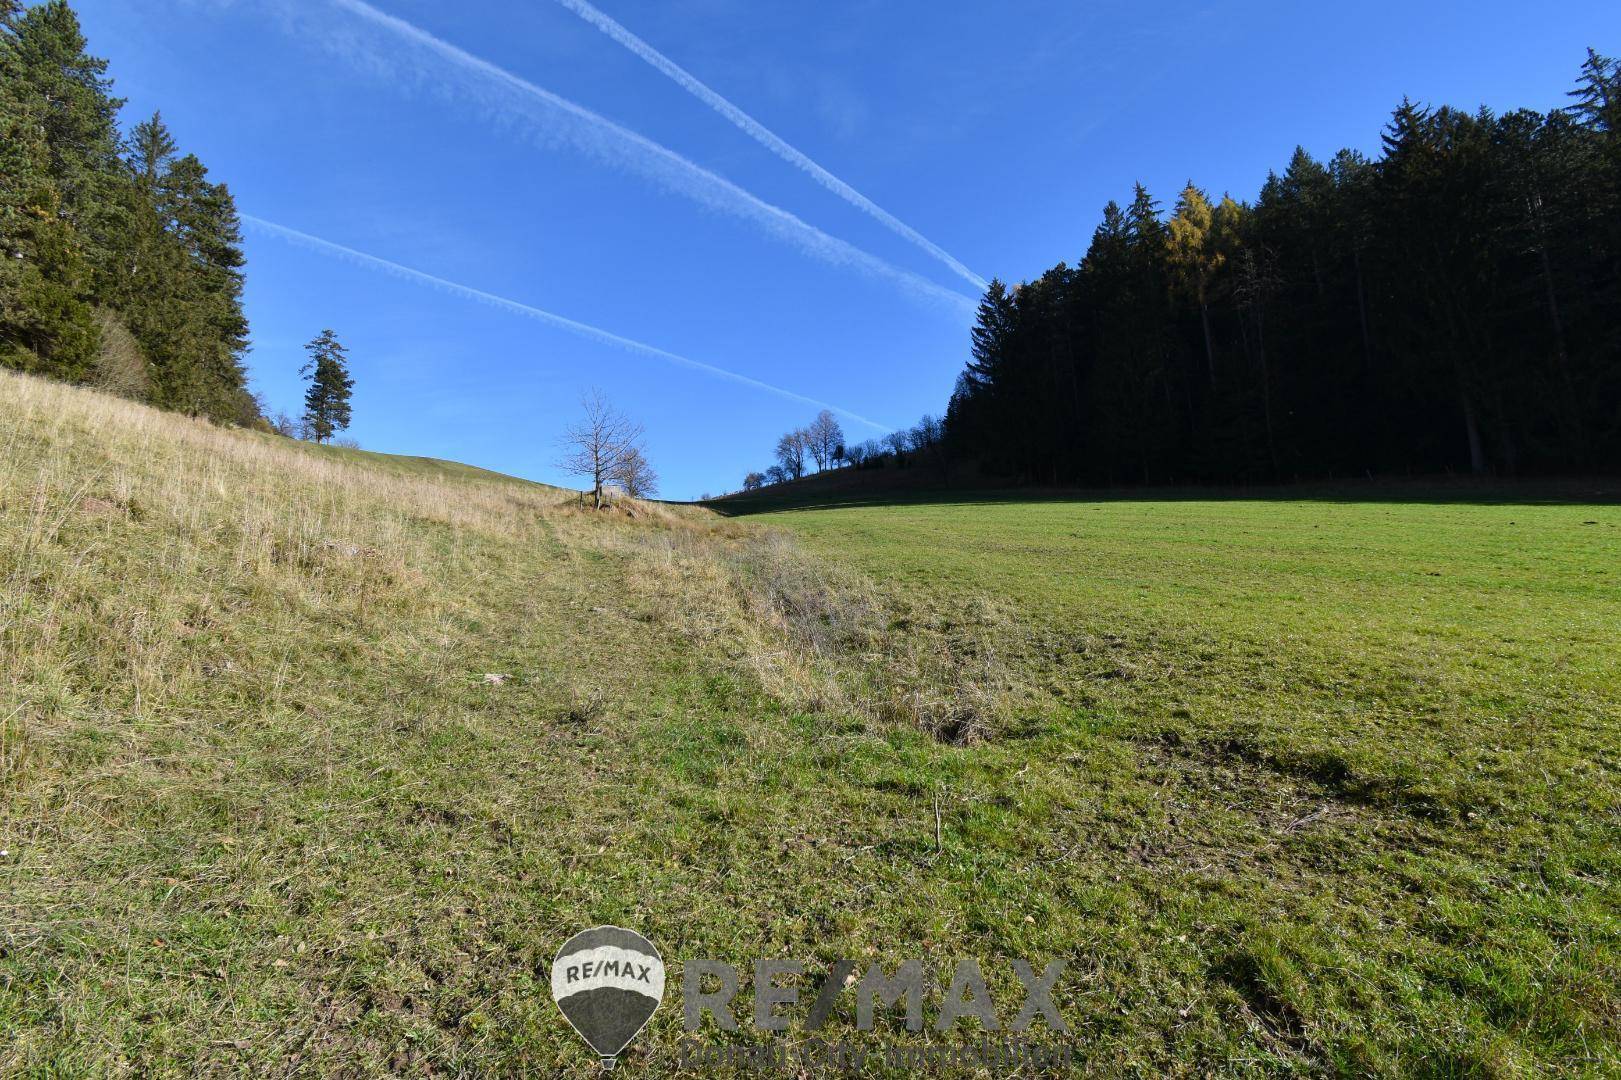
[1294, 786]
[1362, 749]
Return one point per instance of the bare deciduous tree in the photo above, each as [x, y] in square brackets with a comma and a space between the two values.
[635, 476]
[927, 435]
[600, 445]
[791, 453]
[287, 426]
[823, 436]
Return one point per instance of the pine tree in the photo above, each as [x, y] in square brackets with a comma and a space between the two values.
[992, 333]
[326, 402]
[151, 148]
[1598, 93]
[46, 323]
[73, 107]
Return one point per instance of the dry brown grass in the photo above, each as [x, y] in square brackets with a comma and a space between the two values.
[818, 637]
[90, 481]
[257, 523]
[120, 365]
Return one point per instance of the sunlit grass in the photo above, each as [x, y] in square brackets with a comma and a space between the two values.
[1292, 786]
[1357, 757]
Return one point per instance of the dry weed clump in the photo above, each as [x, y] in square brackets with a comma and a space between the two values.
[816, 636]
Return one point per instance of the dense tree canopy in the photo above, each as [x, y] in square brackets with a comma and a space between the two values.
[122, 261]
[1455, 304]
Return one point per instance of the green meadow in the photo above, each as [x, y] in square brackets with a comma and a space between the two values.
[1337, 772]
[1295, 785]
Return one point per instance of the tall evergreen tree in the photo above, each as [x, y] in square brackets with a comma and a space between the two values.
[992, 333]
[1598, 93]
[151, 148]
[46, 322]
[326, 401]
[76, 111]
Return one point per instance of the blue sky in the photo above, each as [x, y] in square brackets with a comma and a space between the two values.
[524, 164]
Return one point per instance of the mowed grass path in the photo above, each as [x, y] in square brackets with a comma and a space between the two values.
[1379, 740]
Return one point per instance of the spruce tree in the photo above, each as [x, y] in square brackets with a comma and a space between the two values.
[1598, 93]
[993, 329]
[151, 148]
[46, 323]
[326, 402]
[74, 109]
[213, 330]
[1142, 217]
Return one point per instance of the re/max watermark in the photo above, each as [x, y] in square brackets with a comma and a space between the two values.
[608, 981]
[709, 987]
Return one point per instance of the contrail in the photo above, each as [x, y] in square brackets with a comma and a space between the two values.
[765, 136]
[585, 330]
[616, 142]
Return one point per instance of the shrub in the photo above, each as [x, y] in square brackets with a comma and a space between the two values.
[120, 366]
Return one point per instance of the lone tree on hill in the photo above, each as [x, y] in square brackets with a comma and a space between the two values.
[606, 446]
[326, 402]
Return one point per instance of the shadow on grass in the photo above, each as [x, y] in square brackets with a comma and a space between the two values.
[844, 491]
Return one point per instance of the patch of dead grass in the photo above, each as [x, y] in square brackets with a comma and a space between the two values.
[818, 637]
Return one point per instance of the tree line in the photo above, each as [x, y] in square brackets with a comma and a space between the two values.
[822, 443]
[1453, 304]
[122, 260]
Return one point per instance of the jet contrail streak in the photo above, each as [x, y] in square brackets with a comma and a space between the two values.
[765, 136]
[676, 171]
[585, 330]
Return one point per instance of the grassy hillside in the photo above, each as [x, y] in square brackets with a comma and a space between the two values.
[1293, 786]
[426, 468]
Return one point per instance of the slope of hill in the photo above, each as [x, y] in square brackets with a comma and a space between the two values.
[310, 760]
[266, 809]
[407, 465]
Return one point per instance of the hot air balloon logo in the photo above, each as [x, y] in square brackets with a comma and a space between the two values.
[608, 982]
